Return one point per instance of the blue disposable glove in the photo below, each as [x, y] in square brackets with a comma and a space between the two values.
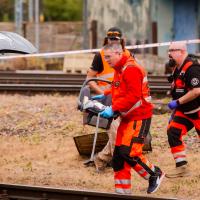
[107, 113]
[173, 104]
[99, 96]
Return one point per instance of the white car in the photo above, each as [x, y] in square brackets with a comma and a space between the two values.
[14, 43]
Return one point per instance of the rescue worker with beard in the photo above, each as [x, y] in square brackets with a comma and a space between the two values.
[185, 105]
[131, 100]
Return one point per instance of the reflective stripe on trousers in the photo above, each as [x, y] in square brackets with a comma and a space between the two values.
[179, 156]
[123, 186]
[142, 172]
[123, 180]
[123, 161]
[182, 123]
[123, 191]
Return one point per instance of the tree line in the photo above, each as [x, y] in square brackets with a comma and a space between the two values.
[56, 10]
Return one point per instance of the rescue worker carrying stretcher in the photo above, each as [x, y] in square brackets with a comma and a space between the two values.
[131, 100]
[101, 69]
[185, 92]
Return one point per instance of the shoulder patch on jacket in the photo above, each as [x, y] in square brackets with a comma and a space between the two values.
[194, 81]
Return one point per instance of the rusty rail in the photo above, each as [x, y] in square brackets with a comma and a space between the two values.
[24, 192]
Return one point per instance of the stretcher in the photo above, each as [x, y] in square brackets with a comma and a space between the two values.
[92, 108]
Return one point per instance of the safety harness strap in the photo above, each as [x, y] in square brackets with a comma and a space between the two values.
[137, 140]
[138, 160]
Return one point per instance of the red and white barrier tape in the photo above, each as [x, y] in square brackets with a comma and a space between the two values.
[62, 53]
[162, 44]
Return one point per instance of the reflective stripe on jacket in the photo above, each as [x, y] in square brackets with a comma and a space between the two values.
[130, 91]
[145, 87]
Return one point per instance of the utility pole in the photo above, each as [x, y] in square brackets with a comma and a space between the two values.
[85, 25]
[18, 16]
[37, 29]
[30, 10]
[94, 33]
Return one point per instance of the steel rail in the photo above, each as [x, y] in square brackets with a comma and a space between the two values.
[62, 88]
[41, 73]
[47, 81]
[24, 192]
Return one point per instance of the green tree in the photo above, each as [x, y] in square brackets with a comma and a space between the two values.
[6, 10]
[62, 10]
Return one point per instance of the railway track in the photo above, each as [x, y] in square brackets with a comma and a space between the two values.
[22, 192]
[50, 81]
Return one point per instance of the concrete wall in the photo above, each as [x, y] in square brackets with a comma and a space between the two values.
[135, 18]
[132, 16]
[54, 36]
[162, 13]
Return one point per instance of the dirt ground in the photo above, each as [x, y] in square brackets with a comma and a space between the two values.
[37, 148]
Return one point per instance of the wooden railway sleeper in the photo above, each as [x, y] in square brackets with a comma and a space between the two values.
[4, 195]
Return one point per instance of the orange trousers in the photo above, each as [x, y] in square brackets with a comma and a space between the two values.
[128, 154]
[179, 125]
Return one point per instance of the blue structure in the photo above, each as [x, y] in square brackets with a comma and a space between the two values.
[186, 24]
[152, 20]
[176, 20]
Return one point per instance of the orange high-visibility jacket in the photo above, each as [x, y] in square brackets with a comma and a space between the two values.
[130, 90]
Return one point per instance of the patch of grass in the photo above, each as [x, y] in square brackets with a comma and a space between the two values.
[23, 138]
[33, 139]
[175, 188]
[28, 167]
[70, 126]
[154, 133]
[47, 110]
[24, 124]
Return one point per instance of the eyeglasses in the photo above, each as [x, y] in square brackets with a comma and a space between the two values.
[172, 50]
[107, 57]
[113, 33]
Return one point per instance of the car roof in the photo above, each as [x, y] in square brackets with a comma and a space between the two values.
[11, 42]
